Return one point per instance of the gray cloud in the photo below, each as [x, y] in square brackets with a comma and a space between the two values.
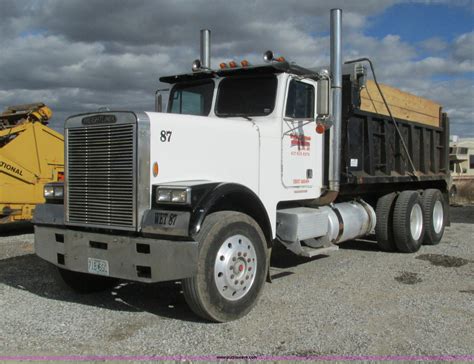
[78, 56]
[434, 44]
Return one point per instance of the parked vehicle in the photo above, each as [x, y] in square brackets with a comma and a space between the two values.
[244, 157]
[31, 155]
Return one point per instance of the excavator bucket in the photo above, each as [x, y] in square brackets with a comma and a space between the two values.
[31, 154]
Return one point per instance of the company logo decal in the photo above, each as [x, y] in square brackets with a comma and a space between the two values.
[301, 141]
[300, 145]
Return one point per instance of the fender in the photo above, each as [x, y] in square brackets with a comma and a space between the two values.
[230, 196]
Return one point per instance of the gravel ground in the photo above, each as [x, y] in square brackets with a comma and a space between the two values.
[358, 301]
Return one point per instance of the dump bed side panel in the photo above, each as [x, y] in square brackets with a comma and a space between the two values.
[373, 152]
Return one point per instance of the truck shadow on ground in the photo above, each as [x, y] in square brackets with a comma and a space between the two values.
[32, 274]
[16, 228]
[367, 244]
[462, 214]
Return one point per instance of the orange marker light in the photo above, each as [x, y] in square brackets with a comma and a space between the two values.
[223, 65]
[320, 128]
[245, 63]
[280, 59]
[232, 64]
[156, 170]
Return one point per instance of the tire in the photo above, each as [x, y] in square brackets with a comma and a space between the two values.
[408, 226]
[86, 283]
[384, 225]
[232, 267]
[434, 216]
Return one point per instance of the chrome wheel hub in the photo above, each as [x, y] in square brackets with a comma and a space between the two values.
[438, 217]
[235, 267]
[416, 222]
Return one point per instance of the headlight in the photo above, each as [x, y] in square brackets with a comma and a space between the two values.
[179, 196]
[163, 195]
[173, 195]
[48, 191]
[53, 191]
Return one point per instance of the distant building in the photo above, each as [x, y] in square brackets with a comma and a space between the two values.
[461, 156]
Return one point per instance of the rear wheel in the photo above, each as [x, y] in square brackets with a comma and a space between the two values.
[384, 226]
[86, 283]
[434, 216]
[232, 267]
[408, 227]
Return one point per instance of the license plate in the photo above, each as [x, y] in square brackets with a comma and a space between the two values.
[98, 266]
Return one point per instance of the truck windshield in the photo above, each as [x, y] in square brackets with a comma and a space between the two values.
[191, 98]
[246, 96]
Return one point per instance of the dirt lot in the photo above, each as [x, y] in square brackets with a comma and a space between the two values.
[358, 301]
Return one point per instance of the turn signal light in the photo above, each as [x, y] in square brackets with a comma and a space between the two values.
[155, 169]
[320, 128]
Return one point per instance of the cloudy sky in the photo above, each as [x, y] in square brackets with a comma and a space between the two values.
[80, 55]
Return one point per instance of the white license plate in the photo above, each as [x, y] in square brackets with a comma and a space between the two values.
[98, 266]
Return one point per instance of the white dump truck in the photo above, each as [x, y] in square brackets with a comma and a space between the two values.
[244, 157]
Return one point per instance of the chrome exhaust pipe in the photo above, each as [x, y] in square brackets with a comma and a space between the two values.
[205, 48]
[336, 85]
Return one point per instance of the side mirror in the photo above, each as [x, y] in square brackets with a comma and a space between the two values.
[322, 102]
[159, 99]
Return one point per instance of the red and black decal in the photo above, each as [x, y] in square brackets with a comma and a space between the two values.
[301, 141]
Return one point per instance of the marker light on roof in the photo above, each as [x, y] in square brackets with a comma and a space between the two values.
[232, 64]
[223, 65]
[245, 63]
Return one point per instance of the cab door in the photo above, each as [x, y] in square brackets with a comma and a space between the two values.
[298, 148]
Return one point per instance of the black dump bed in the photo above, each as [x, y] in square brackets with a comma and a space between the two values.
[373, 157]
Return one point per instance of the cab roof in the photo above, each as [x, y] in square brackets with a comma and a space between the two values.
[271, 68]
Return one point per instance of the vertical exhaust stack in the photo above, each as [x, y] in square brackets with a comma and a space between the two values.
[336, 74]
[206, 48]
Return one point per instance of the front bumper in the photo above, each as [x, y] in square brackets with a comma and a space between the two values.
[131, 258]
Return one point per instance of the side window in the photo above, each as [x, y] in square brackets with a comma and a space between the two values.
[191, 98]
[185, 102]
[300, 102]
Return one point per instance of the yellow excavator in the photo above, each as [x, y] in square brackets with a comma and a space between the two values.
[31, 154]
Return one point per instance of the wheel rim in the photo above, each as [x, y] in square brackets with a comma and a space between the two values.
[235, 267]
[438, 217]
[416, 222]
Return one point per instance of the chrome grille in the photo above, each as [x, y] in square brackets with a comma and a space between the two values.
[100, 176]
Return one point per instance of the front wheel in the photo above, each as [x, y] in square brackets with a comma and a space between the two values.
[232, 267]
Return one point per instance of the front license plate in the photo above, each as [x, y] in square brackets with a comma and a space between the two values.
[98, 266]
